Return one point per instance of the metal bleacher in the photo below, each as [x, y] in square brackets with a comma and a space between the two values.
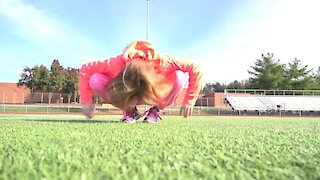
[296, 103]
[264, 101]
[246, 103]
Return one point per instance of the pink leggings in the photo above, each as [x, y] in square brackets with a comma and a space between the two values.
[99, 82]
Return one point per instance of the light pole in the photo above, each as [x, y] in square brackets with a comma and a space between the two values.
[147, 33]
[147, 21]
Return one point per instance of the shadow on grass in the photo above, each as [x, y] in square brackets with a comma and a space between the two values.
[75, 121]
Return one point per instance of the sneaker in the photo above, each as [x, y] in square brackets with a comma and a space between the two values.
[131, 115]
[153, 115]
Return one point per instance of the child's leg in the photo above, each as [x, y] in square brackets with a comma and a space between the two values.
[98, 83]
[180, 81]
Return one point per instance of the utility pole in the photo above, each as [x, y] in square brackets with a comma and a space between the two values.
[147, 21]
[147, 34]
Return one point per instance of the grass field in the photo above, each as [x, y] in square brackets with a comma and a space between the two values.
[71, 147]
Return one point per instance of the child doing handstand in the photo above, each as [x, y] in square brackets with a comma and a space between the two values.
[139, 76]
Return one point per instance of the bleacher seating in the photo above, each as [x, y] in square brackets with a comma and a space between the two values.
[246, 103]
[274, 103]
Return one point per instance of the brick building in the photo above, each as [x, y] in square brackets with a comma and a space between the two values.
[11, 93]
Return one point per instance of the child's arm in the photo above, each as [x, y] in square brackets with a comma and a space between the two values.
[195, 77]
[111, 67]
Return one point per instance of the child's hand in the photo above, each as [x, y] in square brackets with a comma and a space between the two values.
[186, 110]
[87, 110]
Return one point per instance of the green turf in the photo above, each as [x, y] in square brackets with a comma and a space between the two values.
[71, 147]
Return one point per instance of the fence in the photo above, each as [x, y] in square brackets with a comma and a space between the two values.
[65, 98]
[43, 102]
[99, 110]
[76, 109]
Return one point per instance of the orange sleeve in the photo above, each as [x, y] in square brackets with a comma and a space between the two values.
[111, 67]
[195, 78]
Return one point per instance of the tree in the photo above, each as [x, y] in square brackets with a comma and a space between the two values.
[71, 83]
[297, 76]
[57, 79]
[57, 76]
[213, 87]
[267, 73]
[41, 78]
[208, 88]
[26, 79]
[317, 79]
[238, 85]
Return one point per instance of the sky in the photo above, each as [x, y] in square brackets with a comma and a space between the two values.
[224, 37]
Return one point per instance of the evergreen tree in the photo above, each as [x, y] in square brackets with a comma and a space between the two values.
[317, 79]
[71, 83]
[297, 76]
[57, 76]
[267, 73]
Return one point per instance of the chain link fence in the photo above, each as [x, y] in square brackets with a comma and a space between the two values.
[100, 110]
[44, 102]
[65, 98]
[63, 103]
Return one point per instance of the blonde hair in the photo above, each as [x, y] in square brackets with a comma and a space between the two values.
[137, 81]
[140, 49]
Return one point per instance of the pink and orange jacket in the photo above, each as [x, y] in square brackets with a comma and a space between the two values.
[143, 50]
